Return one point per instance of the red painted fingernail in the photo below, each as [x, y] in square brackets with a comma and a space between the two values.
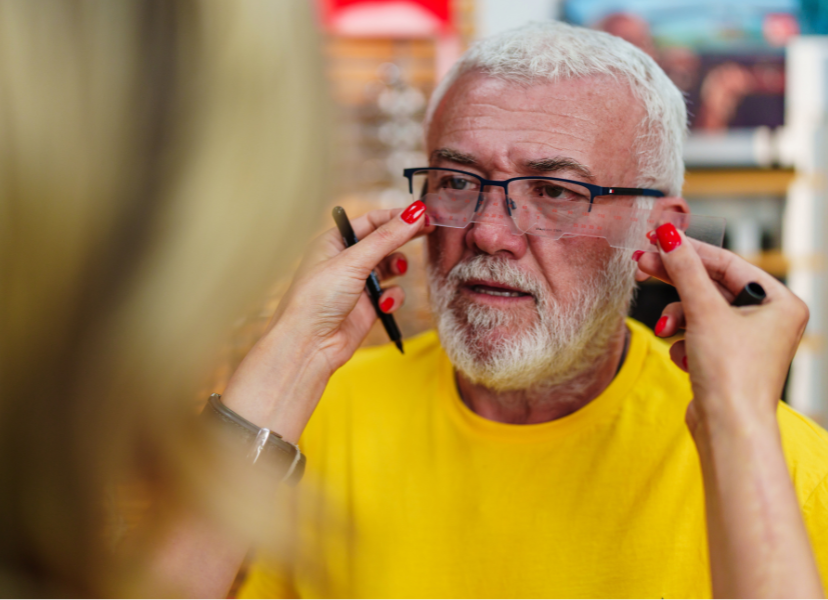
[427, 221]
[668, 237]
[662, 323]
[684, 363]
[402, 266]
[413, 212]
[637, 255]
[386, 304]
[651, 235]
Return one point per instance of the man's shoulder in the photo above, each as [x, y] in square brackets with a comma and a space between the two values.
[658, 371]
[385, 371]
[658, 350]
[806, 449]
[421, 348]
[381, 383]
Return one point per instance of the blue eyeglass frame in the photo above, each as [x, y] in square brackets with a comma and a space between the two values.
[594, 190]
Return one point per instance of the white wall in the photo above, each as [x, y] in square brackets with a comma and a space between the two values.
[494, 16]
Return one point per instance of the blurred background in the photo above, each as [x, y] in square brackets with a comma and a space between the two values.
[755, 76]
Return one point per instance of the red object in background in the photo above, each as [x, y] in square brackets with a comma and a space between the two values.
[779, 28]
[387, 18]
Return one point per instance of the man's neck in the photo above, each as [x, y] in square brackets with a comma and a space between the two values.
[539, 405]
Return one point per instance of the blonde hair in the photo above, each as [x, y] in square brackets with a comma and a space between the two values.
[160, 162]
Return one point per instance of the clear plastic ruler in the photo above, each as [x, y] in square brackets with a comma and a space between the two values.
[622, 226]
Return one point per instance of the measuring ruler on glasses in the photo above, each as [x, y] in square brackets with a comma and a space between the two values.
[622, 226]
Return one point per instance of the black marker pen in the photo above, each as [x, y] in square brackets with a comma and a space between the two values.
[751, 295]
[372, 284]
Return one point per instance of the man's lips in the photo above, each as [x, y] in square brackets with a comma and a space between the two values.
[494, 289]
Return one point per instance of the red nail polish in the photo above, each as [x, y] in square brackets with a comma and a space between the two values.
[684, 363]
[668, 237]
[413, 212]
[637, 255]
[651, 235]
[402, 266]
[662, 323]
[386, 304]
[427, 221]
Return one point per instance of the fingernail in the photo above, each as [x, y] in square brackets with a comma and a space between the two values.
[651, 235]
[684, 363]
[427, 221]
[402, 266]
[413, 212]
[386, 304]
[662, 323]
[668, 237]
[637, 255]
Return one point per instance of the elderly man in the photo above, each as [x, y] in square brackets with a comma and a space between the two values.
[535, 445]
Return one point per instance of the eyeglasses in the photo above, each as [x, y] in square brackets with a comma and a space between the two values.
[541, 206]
[523, 189]
[550, 207]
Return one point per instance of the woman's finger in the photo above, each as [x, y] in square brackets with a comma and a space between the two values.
[688, 273]
[678, 354]
[364, 257]
[366, 224]
[672, 320]
[392, 266]
[391, 299]
[729, 271]
[651, 264]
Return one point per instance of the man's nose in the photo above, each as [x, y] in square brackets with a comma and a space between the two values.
[493, 231]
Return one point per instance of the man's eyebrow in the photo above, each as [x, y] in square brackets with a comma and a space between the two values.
[452, 155]
[552, 165]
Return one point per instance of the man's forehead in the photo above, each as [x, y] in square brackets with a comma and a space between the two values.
[583, 118]
[595, 97]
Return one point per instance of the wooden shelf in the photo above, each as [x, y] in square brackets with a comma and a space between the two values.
[773, 262]
[737, 182]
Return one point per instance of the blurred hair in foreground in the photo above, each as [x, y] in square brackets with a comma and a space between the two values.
[160, 164]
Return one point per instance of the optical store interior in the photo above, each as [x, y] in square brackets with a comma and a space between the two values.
[755, 77]
[201, 399]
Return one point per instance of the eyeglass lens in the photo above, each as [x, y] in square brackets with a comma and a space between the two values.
[459, 197]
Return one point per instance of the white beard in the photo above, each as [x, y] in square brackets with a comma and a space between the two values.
[570, 336]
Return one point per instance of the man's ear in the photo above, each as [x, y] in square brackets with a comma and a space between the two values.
[674, 204]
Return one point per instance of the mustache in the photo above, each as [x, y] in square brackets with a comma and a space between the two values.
[496, 270]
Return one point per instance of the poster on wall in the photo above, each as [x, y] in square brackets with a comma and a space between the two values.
[727, 56]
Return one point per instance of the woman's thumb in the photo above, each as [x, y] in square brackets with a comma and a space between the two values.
[374, 247]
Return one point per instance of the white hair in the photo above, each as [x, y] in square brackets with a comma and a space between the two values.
[552, 51]
[570, 336]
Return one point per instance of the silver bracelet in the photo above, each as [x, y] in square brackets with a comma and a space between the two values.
[280, 454]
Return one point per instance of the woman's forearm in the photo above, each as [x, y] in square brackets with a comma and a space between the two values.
[759, 546]
[195, 559]
[279, 383]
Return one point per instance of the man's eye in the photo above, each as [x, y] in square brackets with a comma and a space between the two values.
[556, 192]
[455, 183]
[550, 191]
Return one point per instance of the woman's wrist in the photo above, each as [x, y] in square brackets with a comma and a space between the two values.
[724, 423]
[279, 382]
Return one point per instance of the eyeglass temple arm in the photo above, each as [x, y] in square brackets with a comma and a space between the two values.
[408, 174]
[621, 191]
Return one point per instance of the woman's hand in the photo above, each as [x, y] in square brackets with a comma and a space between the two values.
[327, 296]
[321, 321]
[737, 359]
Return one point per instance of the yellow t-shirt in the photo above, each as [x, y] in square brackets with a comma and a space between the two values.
[408, 493]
